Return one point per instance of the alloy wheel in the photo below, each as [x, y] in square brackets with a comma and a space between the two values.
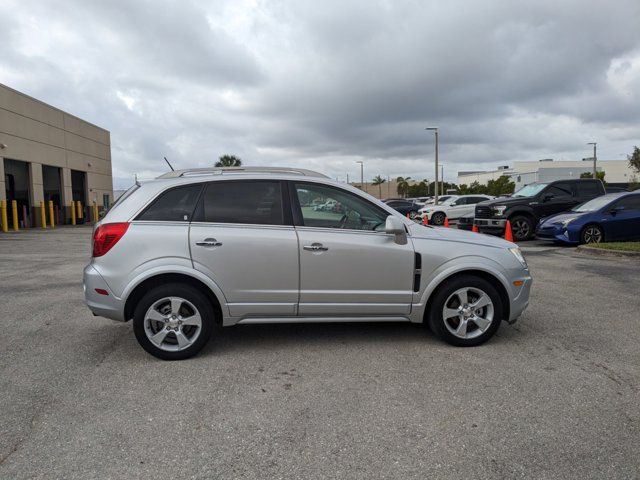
[172, 324]
[521, 229]
[468, 312]
[592, 234]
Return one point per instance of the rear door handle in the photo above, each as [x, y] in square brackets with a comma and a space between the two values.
[209, 242]
[315, 247]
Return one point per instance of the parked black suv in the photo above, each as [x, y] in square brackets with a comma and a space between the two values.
[527, 206]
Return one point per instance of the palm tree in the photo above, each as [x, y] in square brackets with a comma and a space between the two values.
[378, 180]
[403, 185]
[228, 161]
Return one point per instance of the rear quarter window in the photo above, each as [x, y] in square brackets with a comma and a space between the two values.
[173, 205]
[588, 189]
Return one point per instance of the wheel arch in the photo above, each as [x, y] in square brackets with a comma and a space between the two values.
[170, 277]
[485, 275]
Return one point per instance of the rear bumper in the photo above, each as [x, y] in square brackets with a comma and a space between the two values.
[108, 305]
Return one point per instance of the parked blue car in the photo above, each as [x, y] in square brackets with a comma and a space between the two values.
[610, 218]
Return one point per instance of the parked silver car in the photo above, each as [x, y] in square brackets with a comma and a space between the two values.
[196, 249]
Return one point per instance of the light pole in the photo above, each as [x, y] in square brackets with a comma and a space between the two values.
[594, 158]
[435, 130]
[442, 177]
[388, 186]
[361, 174]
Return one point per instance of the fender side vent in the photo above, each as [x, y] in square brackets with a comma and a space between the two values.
[417, 271]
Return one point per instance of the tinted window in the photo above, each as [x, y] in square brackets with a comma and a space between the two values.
[631, 202]
[588, 189]
[242, 202]
[559, 190]
[473, 200]
[461, 201]
[175, 205]
[335, 208]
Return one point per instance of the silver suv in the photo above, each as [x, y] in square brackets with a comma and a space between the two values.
[196, 249]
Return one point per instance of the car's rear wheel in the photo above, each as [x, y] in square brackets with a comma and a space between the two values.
[173, 321]
[592, 234]
[465, 311]
[522, 228]
[438, 218]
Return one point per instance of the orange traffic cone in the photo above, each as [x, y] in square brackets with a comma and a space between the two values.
[508, 234]
[474, 229]
[425, 220]
[446, 222]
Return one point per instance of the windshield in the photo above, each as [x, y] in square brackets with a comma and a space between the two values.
[530, 190]
[444, 199]
[592, 205]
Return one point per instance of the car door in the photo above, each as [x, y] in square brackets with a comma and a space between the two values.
[623, 219]
[348, 264]
[557, 198]
[242, 237]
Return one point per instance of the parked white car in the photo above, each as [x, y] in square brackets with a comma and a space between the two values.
[453, 208]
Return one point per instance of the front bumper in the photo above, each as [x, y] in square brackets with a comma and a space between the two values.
[521, 300]
[555, 233]
[108, 305]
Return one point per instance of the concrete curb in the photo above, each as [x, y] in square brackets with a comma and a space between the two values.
[607, 253]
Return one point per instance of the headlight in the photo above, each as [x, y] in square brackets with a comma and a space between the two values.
[518, 254]
[567, 222]
[499, 210]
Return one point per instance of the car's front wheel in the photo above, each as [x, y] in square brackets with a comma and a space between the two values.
[438, 218]
[465, 311]
[592, 234]
[522, 228]
[173, 321]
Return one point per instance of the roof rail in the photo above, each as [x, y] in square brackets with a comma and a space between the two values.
[190, 172]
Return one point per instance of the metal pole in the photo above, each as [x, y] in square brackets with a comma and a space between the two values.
[442, 178]
[594, 158]
[436, 194]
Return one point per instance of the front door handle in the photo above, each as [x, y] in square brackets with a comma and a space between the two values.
[209, 242]
[315, 247]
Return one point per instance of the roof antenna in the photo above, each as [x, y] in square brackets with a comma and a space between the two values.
[172, 169]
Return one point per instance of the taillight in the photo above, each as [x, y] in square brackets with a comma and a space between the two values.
[106, 236]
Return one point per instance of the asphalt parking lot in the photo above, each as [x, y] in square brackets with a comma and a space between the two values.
[554, 396]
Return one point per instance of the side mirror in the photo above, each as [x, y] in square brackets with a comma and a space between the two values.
[616, 209]
[394, 225]
[547, 197]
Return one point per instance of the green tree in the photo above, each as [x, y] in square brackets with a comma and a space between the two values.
[378, 180]
[403, 185]
[500, 186]
[228, 161]
[599, 175]
[634, 160]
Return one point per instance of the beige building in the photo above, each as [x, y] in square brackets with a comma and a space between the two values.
[617, 172]
[47, 154]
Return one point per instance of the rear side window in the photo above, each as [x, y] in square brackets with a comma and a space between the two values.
[254, 202]
[588, 189]
[174, 205]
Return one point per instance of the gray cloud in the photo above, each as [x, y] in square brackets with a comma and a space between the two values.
[325, 84]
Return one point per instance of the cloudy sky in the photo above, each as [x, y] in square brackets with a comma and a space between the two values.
[322, 84]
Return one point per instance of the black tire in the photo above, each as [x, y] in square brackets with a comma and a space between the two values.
[438, 324]
[438, 218]
[413, 214]
[592, 234]
[521, 227]
[191, 295]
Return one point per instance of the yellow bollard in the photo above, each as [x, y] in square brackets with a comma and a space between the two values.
[52, 222]
[95, 212]
[73, 213]
[5, 223]
[80, 216]
[14, 214]
[43, 216]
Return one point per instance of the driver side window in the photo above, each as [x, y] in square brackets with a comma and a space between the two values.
[328, 207]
